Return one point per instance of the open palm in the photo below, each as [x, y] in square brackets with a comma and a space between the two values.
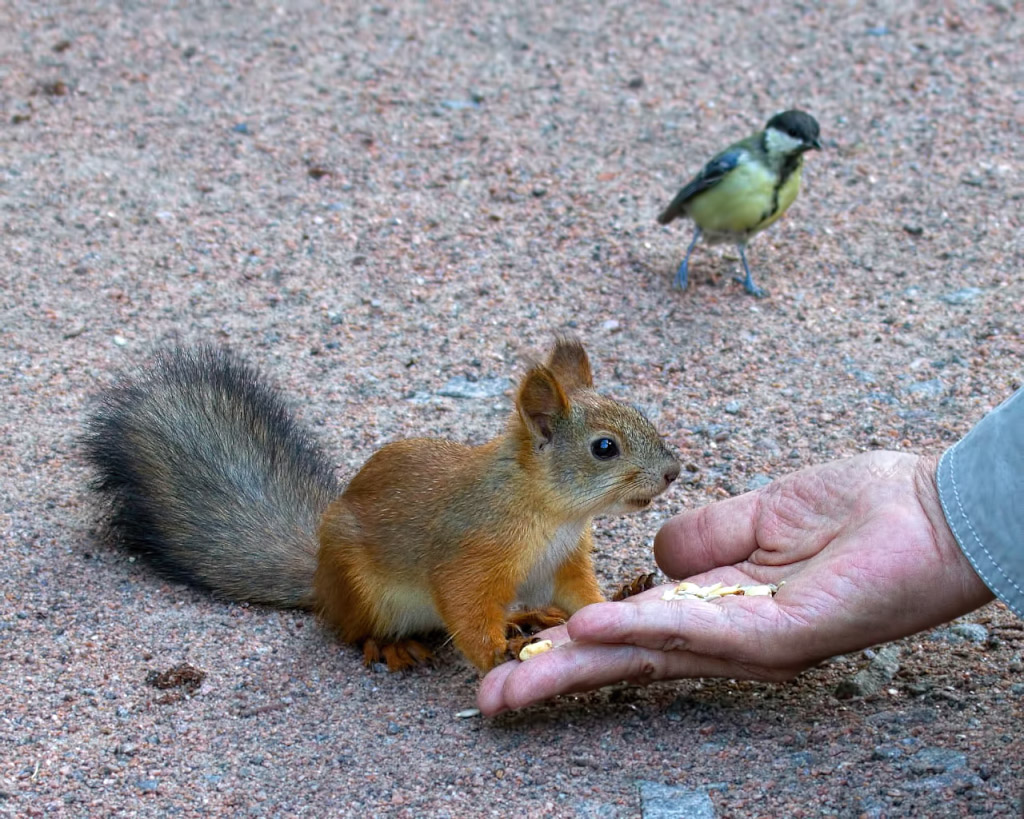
[859, 547]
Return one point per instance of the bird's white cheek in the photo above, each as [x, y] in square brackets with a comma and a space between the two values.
[779, 142]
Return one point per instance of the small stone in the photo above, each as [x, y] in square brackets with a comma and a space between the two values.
[963, 296]
[459, 105]
[936, 761]
[965, 632]
[886, 752]
[462, 387]
[933, 388]
[757, 481]
[871, 679]
[658, 801]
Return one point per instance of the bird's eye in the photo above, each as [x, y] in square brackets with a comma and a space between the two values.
[604, 449]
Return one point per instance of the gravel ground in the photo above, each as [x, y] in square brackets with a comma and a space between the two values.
[371, 201]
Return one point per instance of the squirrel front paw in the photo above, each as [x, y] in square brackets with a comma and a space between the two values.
[640, 584]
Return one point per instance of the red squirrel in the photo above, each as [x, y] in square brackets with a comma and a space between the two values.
[205, 469]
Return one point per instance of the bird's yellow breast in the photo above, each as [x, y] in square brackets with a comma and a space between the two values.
[743, 203]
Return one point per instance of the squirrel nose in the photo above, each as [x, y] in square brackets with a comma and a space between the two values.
[672, 473]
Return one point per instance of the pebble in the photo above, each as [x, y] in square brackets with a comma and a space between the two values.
[757, 481]
[933, 388]
[936, 760]
[459, 105]
[869, 680]
[462, 387]
[659, 801]
[886, 752]
[963, 296]
[963, 632]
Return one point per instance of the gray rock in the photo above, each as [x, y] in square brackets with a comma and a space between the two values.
[459, 105]
[864, 377]
[957, 781]
[963, 296]
[963, 633]
[659, 801]
[886, 752]
[868, 680]
[933, 388]
[757, 481]
[972, 632]
[936, 761]
[462, 387]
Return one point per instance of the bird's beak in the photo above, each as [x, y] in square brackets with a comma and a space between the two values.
[815, 144]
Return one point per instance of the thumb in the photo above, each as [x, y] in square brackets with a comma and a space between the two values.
[719, 534]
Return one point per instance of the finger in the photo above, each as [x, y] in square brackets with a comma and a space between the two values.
[582, 666]
[746, 629]
[719, 534]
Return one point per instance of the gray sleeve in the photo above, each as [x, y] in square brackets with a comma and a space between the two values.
[981, 487]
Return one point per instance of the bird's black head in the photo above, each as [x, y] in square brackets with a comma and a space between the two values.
[798, 125]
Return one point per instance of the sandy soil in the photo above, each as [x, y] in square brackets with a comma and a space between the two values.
[372, 200]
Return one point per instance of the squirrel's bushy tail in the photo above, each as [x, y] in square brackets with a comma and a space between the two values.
[206, 471]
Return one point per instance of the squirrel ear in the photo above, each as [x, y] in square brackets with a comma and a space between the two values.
[569, 362]
[540, 399]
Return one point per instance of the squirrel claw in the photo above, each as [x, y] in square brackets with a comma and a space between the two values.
[515, 645]
[398, 656]
[528, 623]
[640, 584]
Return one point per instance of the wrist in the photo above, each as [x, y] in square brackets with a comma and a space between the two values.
[926, 486]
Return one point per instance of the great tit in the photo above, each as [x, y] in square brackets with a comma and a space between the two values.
[746, 187]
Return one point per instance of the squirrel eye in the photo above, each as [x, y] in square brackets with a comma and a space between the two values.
[604, 449]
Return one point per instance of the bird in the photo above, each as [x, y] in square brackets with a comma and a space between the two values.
[745, 188]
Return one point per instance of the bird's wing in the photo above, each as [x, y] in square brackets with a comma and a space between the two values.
[709, 176]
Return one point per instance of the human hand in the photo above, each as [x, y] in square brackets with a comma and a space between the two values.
[863, 549]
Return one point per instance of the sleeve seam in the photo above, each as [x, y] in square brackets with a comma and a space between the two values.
[950, 455]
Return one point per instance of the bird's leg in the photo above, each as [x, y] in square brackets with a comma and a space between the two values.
[683, 274]
[748, 282]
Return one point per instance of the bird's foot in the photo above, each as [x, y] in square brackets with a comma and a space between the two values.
[682, 276]
[750, 287]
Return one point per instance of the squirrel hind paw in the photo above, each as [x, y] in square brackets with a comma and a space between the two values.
[397, 656]
[529, 622]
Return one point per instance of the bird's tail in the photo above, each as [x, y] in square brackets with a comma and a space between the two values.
[206, 471]
[674, 209]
